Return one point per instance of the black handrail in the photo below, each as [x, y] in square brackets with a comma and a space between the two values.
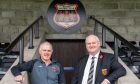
[20, 39]
[130, 45]
[13, 43]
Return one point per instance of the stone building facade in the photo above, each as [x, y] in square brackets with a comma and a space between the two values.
[123, 16]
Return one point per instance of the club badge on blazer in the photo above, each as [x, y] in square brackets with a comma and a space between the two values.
[54, 69]
[104, 72]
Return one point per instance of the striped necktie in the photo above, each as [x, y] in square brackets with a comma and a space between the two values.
[90, 76]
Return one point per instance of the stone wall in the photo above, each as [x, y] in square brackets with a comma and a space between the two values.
[123, 16]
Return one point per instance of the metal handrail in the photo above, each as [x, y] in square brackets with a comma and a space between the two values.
[116, 36]
[20, 38]
[13, 43]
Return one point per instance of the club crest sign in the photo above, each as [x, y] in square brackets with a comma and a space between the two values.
[66, 16]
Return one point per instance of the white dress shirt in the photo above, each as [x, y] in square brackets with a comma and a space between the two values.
[87, 68]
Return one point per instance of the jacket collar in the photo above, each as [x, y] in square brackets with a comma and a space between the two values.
[52, 61]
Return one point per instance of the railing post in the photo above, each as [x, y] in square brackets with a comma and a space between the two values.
[36, 30]
[96, 28]
[103, 37]
[116, 47]
[137, 44]
[21, 47]
[31, 38]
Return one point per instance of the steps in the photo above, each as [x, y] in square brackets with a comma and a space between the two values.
[130, 58]
[6, 60]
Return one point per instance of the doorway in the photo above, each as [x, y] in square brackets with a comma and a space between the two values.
[68, 52]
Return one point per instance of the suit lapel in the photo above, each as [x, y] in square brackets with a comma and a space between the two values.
[100, 59]
[84, 63]
[82, 68]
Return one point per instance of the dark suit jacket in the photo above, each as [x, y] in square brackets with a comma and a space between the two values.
[107, 68]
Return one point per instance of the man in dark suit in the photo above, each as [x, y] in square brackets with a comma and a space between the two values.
[105, 70]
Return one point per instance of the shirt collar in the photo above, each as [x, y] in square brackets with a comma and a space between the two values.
[96, 55]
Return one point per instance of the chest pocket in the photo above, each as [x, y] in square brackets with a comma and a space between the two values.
[105, 69]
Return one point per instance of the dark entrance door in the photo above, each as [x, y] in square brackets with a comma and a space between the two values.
[68, 52]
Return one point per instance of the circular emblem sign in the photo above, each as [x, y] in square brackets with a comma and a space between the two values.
[66, 16]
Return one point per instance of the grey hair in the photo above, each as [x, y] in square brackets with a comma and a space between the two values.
[45, 43]
[93, 36]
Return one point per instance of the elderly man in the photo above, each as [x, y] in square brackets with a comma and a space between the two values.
[97, 67]
[44, 70]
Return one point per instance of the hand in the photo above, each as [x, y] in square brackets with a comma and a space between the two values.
[19, 78]
[105, 81]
